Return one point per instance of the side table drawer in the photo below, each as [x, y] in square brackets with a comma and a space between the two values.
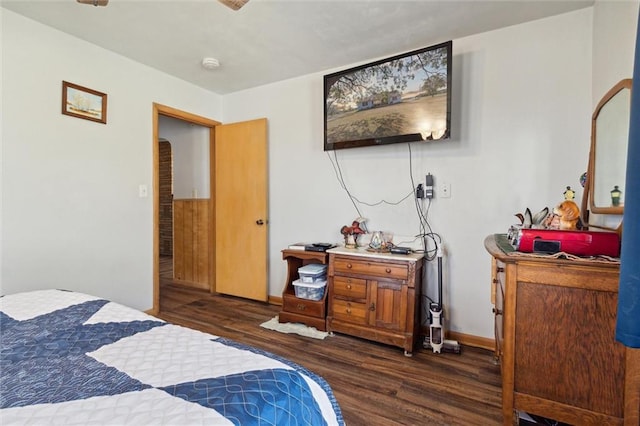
[352, 288]
[349, 311]
[377, 269]
[307, 307]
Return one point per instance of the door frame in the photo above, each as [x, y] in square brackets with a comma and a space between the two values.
[158, 110]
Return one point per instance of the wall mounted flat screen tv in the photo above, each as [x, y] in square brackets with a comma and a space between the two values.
[404, 98]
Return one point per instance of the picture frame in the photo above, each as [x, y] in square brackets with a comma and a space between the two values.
[404, 98]
[82, 102]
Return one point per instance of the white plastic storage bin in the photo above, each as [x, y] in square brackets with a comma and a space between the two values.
[312, 272]
[311, 291]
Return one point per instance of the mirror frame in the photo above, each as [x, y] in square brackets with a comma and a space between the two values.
[588, 203]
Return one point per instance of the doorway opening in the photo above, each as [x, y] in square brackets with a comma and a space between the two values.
[160, 244]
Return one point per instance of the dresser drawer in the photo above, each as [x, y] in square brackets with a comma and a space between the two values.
[308, 307]
[373, 268]
[350, 311]
[352, 288]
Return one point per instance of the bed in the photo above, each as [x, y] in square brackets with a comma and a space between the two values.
[72, 358]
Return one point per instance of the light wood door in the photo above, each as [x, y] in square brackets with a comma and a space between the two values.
[240, 198]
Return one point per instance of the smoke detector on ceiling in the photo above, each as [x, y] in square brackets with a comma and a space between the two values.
[234, 4]
[210, 63]
[94, 2]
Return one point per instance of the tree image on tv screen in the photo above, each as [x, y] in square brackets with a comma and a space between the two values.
[402, 96]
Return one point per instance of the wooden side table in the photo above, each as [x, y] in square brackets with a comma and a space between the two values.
[309, 312]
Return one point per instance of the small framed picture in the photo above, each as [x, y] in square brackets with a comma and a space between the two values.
[82, 102]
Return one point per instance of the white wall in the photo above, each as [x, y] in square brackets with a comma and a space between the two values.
[190, 153]
[71, 215]
[614, 37]
[521, 123]
[72, 218]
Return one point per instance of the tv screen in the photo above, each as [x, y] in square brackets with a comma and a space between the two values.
[404, 98]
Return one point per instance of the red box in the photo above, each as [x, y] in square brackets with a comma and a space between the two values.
[579, 243]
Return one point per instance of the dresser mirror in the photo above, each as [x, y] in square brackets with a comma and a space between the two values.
[604, 190]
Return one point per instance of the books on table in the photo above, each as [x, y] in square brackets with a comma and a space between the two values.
[298, 246]
[311, 246]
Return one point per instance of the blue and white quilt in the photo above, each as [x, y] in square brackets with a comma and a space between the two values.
[71, 358]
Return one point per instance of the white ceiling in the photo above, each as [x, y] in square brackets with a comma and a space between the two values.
[273, 40]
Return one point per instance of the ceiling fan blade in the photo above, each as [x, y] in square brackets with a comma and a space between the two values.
[94, 2]
[234, 4]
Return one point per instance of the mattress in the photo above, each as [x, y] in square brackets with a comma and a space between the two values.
[72, 358]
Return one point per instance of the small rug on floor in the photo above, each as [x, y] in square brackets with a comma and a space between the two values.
[296, 328]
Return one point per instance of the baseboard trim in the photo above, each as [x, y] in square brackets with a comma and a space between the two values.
[274, 300]
[471, 340]
[466, 339]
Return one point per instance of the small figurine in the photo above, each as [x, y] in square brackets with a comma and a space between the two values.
[615, 196]
[569, 194]
[527, 220]
[583, 179]
[567, 214]
[376, 240]
[351, 233]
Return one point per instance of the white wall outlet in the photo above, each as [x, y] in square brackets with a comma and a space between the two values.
[445, 190]
[142, 191]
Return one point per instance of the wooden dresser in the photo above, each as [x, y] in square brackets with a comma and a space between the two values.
[375, 296]
[555, 339]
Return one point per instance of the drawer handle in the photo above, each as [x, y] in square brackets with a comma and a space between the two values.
[388, 270]
[348, 310]
[349, 266]
[372, 307]
[348, 286]
[301, 307]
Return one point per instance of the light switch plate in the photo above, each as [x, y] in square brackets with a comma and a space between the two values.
[445, 190]
[142, 191]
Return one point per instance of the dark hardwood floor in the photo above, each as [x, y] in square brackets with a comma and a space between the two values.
[374, 384]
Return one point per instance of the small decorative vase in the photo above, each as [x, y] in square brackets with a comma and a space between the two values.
[350, 241]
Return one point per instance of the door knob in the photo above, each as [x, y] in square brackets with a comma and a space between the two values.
[259, 222]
